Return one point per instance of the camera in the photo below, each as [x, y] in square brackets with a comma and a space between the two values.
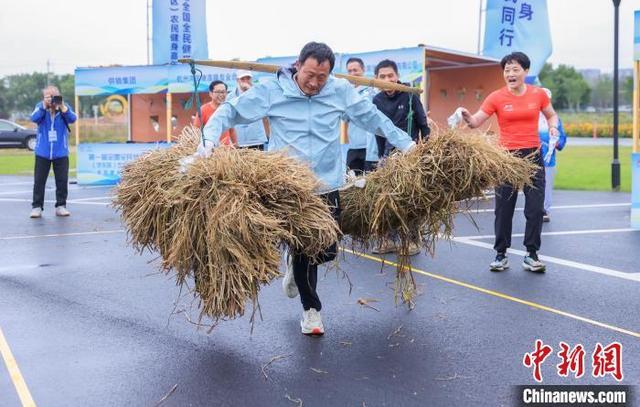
[56, 100]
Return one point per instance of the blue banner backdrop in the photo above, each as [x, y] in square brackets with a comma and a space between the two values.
[518, 25]
[179, 30]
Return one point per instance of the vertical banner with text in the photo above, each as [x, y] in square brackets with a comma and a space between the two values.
[635, 156]
[518, 25]
[179, 30]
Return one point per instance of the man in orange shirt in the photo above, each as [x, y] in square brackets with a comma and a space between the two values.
[218, 93]
[518, 108]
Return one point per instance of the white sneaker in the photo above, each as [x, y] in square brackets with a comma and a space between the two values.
[62, 211]
[532, 263]
[311, 323]
[36, 213]
[501, 263]
[412, 249]
[385, 246]
[289, 285]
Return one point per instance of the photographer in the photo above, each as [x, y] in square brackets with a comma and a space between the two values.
[53, 117]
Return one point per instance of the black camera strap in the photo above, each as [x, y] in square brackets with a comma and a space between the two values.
[64, 119]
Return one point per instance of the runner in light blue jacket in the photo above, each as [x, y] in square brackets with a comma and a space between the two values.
[304, 105]
[307, 125]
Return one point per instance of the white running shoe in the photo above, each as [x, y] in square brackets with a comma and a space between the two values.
[311, 323]
[36, 213]
[385, 246]
[501, 263]
[289, 285]
[62, 211]
[532, 263]
[412, 249]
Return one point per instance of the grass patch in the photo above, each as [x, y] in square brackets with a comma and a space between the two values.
[589, 168]
[21, 161]
[579, 167]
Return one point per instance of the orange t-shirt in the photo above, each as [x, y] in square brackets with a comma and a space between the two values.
[517, 115]
[228, 137]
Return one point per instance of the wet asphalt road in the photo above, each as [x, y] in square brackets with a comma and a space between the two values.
[89, 321]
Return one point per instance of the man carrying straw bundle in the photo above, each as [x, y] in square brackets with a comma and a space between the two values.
[304, 105]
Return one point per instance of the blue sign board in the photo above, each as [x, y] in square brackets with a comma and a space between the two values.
[100, 163]
[635, 190]
[410, 62]
[518, 25]
[181, 79]
[121, 80]
[179, 30]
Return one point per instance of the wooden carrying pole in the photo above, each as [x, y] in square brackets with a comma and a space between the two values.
[254, 66]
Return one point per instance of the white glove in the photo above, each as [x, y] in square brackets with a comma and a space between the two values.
[351, 180]
[454, 120]
[203, 151]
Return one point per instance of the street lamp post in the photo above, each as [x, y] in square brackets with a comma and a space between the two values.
[615, 164]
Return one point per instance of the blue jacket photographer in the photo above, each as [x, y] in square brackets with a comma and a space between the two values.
[53, 117]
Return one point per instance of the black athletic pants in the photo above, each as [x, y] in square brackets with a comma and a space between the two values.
[355, 160]
[506, 197]
[305, 272]
[255, 147]
[40, 175]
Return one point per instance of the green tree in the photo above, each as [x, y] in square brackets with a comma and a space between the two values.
[570, 90]
[23, 91]
[602, 94]
[66, 84]
[626, 91]
[4, 103]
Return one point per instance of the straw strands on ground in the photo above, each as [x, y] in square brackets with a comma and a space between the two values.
[413, 197]
[224, 219]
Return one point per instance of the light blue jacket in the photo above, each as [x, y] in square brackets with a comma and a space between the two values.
[44, 147]
[358, 136]
[372, 148]
[251, 134]
[308, 127]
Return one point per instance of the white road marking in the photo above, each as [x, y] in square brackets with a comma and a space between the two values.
[24, 191]
[95, 232]
[53, 201]
[609, 205]
[559, 233]
[562, 262]
[15, 183]
[95, 198]
[80, 187]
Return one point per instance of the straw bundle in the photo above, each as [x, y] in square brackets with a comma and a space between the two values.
[413, 197]
[224, 219]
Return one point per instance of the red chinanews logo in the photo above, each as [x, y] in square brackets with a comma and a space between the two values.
[605, 360]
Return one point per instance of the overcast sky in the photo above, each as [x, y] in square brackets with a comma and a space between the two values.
[74, 33]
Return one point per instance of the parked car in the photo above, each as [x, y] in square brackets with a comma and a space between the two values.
[12, 135]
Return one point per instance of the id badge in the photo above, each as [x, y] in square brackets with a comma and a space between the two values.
[53, 136]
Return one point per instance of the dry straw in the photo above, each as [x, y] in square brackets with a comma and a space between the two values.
[413, 197]
[224, 220]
